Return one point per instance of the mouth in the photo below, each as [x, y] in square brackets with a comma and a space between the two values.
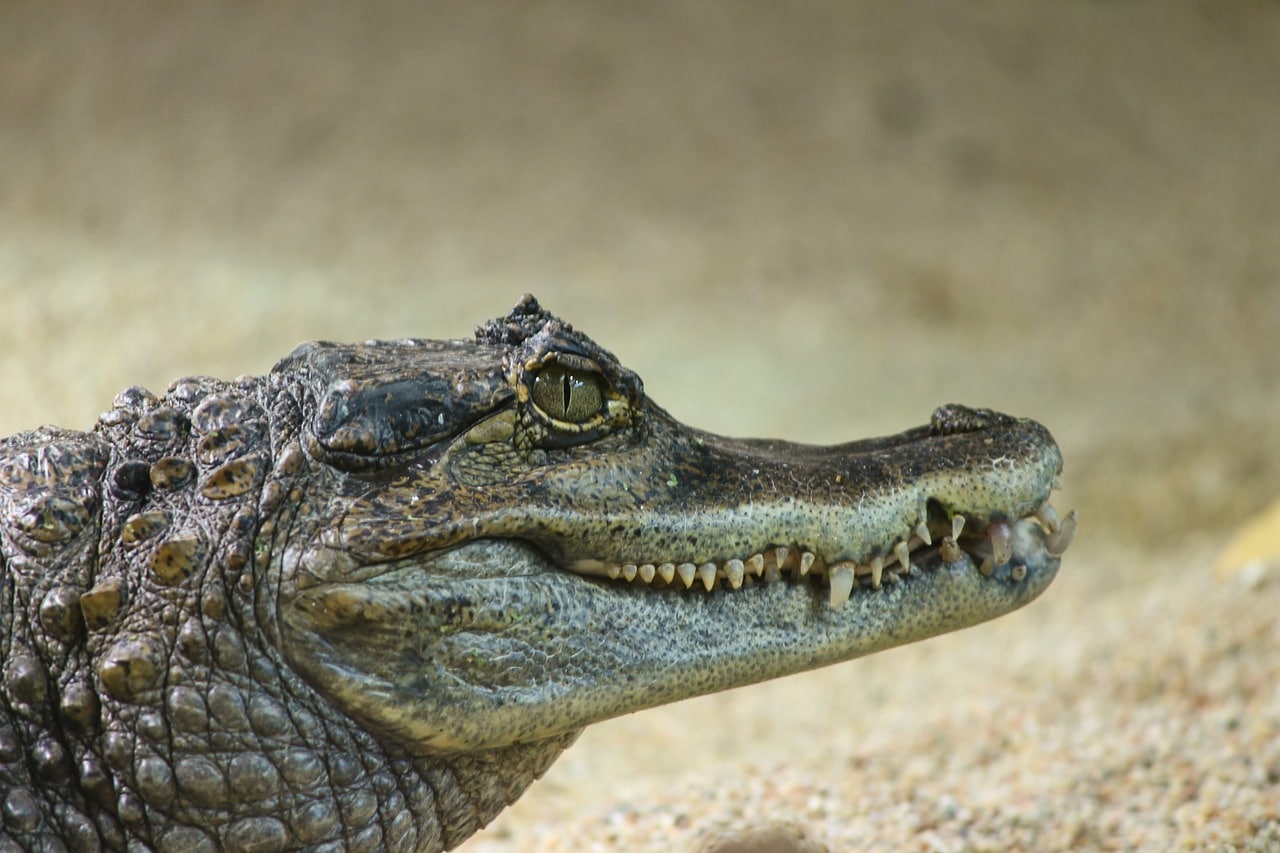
[992, 547]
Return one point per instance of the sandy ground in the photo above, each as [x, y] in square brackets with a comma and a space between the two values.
[815, 221]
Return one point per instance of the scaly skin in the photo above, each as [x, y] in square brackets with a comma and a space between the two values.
[362, 602]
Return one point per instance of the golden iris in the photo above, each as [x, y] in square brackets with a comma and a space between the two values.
[565, 394]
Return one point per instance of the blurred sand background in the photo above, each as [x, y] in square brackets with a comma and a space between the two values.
[814, 220]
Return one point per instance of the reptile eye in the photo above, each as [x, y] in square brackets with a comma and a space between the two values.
[565, 394]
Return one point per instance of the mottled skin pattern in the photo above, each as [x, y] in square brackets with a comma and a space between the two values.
[362, 602]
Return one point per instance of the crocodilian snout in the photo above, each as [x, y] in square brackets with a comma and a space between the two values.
[679, 566]
[727, 513]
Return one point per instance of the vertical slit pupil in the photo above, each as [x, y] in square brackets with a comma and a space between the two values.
[566, 385]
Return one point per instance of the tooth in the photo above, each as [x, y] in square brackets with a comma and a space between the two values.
[1059, 541]
[949, 550]
[614, 572]
[957, 526]
[806, 563]
[1018, 572]
[903, 553]
[986, 568]
[772, 574]
[707, 574]
[1049, 517]
[629, 571]
[922, 530]
[1056, 484]
[877, 569]
[755, 564]
[667, 571]
[733, 571]
[780, 555]
[1001, 542]
[841, 577]
[686, 572]
[647, 571]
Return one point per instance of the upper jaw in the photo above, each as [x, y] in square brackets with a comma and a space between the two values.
[734, 513]
[689, 509]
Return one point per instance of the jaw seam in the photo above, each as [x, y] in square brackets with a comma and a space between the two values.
[994, 547]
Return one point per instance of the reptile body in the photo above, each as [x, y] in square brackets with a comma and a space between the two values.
[362, 602]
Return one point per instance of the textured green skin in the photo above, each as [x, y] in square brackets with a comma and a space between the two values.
[329, 608]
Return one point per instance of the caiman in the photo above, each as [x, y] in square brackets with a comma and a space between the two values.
[361, 602]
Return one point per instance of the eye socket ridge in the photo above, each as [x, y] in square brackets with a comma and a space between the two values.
[568, 393]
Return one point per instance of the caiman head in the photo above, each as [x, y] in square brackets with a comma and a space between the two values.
[502, 540]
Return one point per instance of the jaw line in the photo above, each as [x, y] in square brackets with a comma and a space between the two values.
[1029, 543]
[531, 561]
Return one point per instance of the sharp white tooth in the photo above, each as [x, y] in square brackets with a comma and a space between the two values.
[841, 577]
[957, 526]
[707, 574]
[903, 553]
[667, 571]
[1001, 537]
[755, 564]
[772, 574]
[806, 563]
[687, 572]
[922, 530]
[949, 550]
[614, 572]
[733, 571]
[877, 569]
[629, 571]
[1049, 517]
[986, 568]
[1059, 541]
[647, 571]
[588, 567]
[780, 555]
